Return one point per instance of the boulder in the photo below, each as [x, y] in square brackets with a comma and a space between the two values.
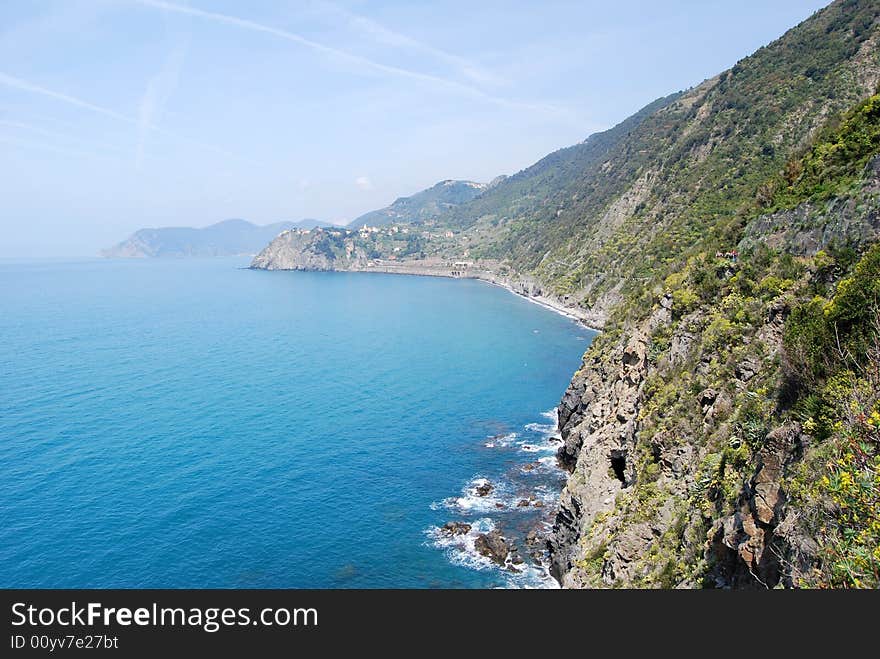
[707, 398]
[493, 546]
[483, 489]
[455, 528]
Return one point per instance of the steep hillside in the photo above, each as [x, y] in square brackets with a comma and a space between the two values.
[423, 206]
[724, 431]
[602, 220]
[230, 237]
[665, 182]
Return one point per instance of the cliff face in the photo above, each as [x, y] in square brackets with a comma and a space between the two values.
[683, 437]
[709, 431]
[297, 250]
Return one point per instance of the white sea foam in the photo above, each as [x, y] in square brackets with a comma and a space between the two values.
[501, 497]
[539, 439]
[461, 548]
[532, 576]
[501, 441]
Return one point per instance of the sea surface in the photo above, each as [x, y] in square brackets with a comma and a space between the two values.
[191, 423]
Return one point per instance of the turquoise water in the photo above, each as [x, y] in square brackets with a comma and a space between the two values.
[194, 424]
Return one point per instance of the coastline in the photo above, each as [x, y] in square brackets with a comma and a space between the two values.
[593, 321]
[541, 532]
[549, 304]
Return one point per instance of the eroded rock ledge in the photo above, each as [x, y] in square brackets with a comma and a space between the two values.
[617, 527]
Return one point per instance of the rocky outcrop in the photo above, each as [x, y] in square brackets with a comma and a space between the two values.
[493, 546]
[451, 529]
[484, 489]
[598, 422]
[854, 220]
[295, 250]
[748, 547]
[613, 527]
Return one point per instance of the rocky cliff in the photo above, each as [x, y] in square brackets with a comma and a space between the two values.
[684, 439]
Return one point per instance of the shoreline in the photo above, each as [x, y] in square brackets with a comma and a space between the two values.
[547, 303]
[540, 528]
[585, 319]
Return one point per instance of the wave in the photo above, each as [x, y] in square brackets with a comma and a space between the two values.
[461, 550]
[500, 496]
[501, 441]
[493, 502]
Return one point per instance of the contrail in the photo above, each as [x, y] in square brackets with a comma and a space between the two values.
[382, 34]
[59, 136]
[24, 85]
[53, 149]
[363, 62]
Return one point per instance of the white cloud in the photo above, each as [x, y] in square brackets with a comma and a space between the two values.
[363, 183]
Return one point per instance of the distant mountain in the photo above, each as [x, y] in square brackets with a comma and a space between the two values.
[424, 205]
[227, 238]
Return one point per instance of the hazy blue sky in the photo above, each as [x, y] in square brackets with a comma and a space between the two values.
[118, 114]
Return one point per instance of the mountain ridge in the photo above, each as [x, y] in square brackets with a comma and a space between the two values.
[425, 205]
[232, 237]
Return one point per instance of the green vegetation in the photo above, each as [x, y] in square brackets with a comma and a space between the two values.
[832, 165]
[834, 358]
[827, 376]
[781, 333]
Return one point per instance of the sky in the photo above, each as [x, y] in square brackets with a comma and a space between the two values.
[122, 114]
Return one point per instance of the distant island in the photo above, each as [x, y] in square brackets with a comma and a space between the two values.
[227, 238]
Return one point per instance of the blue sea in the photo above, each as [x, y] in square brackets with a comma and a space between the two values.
[192, 423]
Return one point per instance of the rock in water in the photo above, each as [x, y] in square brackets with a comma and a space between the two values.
[456, 528]
[484, 489]
[493, 546]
